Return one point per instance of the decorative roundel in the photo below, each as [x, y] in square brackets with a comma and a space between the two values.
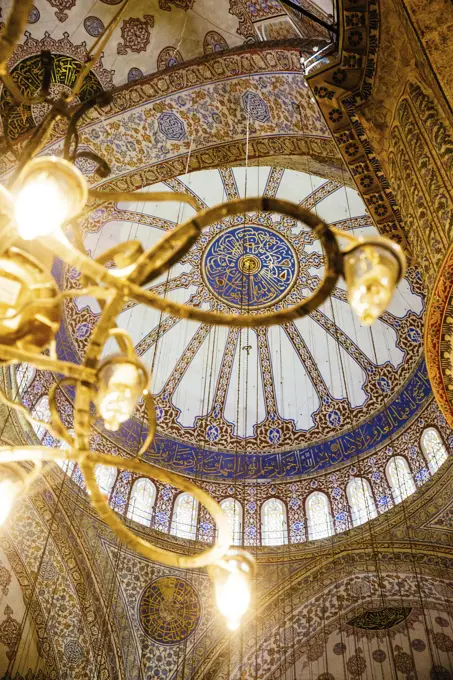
[94, 26]
[169, 610]
[34, 15]
[250, 267]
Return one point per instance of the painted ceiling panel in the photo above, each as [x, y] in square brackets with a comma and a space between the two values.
[201, 378]
[245, 403]
[297, 398]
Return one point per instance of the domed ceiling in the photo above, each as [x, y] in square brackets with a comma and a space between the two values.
[265, 403]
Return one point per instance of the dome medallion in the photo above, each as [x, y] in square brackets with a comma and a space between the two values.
[250, 267]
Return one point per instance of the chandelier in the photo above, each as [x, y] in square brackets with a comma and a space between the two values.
[43, 203]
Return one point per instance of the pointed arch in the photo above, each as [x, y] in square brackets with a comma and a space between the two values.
[361, 500]
[105, 477]
[41, 411]
[400, 478]
[319, 516]
[141, 501]
[184, 518]
[433, 448]
[233, 510]
[274, 525]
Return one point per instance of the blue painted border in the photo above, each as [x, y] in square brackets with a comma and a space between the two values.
[222, 465]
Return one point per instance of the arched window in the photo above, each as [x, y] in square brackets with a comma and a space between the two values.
[361, 500]
[41, 411]
[184, 519]
[67, 466]
[433, 448]
[319, 517]
[400, 478]
[24, 377]
[141, 501]
[233, 511]
[274, 529]
[105, 477]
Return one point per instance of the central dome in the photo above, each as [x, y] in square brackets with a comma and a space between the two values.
[250, 267]
[254, 403]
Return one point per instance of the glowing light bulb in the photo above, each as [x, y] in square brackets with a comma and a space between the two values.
[8, 492]
[121, 384]
[233, 598]
[372, 272]
[51, 190]
[232, 582]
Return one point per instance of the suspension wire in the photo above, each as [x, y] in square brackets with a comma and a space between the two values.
[413, 556]
[358, 459]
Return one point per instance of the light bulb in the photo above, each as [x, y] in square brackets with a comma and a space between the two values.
[232, 582]
[51, 190]
[233, 598]
[8, 492]
[372, 272]
[121, 384]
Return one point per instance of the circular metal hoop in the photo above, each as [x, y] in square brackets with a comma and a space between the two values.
[87, 460]
[128, 289]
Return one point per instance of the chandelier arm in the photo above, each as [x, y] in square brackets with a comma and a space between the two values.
[13, 30]
[124, 341]
[167, 252]
[23, 410]
[62, 430]
[134, 542]
[101, 99]
[128, 289]
[82, 420]
[96, 50]
[145, 197]
[93, 291]
[45, 363]
[87, 460]
[152, 423]
[37, 141]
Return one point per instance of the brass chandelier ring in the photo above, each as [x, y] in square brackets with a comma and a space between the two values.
[178, 242]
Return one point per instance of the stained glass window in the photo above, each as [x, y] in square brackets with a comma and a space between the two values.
[400, 478]
[184, 519]
[233, 511]
[67, 466]
[141, 501]
[105, 477]
[433, 448]
[319, 516]
[41, 411]
[274, 528]
[361, 501]
[24, 376]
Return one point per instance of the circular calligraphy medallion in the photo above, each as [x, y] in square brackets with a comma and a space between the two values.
[169, 610]
[250, 267]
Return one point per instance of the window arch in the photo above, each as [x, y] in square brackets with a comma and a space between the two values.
[233, 510]
[184, 518]
[400, 478]
[274, 527]
[141, 501]
[105, 477]
[41, 411]
[433, 449]
[319, 516]
[361, 501]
